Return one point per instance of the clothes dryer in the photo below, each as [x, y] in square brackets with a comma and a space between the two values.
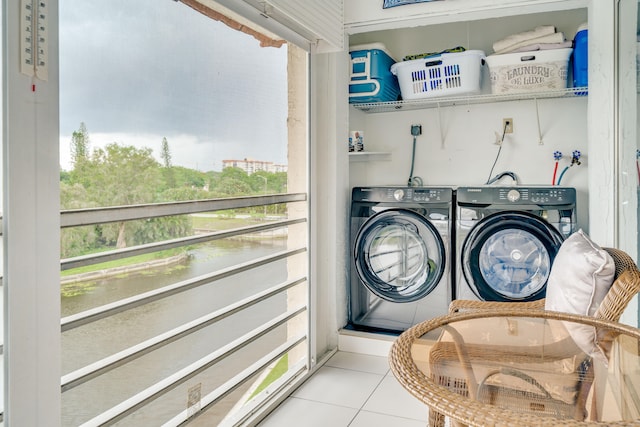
[507, 239]
[401, 246]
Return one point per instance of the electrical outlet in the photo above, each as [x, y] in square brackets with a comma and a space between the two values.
[507, 125]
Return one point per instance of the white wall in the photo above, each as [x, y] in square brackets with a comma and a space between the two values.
[458, 143]
[458, 147]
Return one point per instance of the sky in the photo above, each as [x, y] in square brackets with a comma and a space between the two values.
[135, 71]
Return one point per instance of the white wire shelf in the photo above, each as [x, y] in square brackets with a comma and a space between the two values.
[365, 156]
[418, 104]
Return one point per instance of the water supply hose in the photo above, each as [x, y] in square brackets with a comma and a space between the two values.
[566, 168]
[557, 156]
[575, 160]
[638, 165]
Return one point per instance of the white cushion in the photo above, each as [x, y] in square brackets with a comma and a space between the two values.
[580, 278]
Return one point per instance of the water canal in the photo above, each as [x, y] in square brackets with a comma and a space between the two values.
[100, 339]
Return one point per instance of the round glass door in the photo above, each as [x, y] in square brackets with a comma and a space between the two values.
[399, 255]
[508, 256]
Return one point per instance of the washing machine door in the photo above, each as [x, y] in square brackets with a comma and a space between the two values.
[399, 255]
[508, 255]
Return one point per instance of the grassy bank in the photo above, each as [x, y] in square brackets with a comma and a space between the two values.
[278, 370]
[125, 261]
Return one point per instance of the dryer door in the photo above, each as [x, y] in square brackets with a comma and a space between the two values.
[399, 255]
[508, 255]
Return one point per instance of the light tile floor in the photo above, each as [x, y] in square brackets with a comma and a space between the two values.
[350, 390]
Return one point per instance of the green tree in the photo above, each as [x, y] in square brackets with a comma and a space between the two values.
[76, 241]
[80, 144]
[183, 193]
[191, 178]
[229, 187]
[120, 175]
[165, 153]
[65, 176]
[123, 175]
[213, 178]
[234, 173]
[279, 181]
[168, 172]
[232, 182]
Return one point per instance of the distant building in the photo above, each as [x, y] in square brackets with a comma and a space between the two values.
[250, 166]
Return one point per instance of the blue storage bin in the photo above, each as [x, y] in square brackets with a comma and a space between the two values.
[370, 78]
[580, 57]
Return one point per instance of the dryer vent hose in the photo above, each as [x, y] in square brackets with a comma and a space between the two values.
[503, 174]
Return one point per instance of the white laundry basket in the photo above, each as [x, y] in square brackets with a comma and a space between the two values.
[445, 74]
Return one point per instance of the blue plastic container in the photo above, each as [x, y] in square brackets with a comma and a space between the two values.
[371, 80]
[580, 57]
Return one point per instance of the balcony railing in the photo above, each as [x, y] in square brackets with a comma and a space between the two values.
[295, 308]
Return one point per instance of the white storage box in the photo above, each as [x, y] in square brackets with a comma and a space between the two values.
[445, 74]
[538, 71]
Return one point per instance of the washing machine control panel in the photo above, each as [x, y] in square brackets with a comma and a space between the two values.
[552, 196]
[431, 195]
[407, 195]
[519, 195]
[410, 195]
[513, 195]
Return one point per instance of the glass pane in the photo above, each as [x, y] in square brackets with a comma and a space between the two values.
[398, 255]
[514, 263]
[638, 137]
[161, 103]
[1, 239]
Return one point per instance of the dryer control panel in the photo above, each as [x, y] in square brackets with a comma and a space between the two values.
[541, 196]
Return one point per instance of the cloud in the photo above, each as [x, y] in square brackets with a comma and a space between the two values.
[146, 69]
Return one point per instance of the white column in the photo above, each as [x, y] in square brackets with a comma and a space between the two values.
[31, 228]
[329, 192]
[627, 138]
[601, 156]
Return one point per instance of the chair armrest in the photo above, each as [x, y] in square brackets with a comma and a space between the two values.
[623, 289]
[622, 261]
[470, 305]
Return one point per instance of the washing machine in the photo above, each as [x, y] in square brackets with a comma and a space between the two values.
[507, 239]
[401, 249]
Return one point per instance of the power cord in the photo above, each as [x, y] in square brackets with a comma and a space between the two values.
[504, 132]
[414, 181]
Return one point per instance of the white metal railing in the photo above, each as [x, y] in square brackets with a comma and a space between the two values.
[151, 393]
[88, 316]
[94, 370]
[83, 375]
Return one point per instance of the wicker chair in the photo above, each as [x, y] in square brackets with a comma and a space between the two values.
[625, 286]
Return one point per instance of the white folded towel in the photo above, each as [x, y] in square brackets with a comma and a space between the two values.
[543, 46]
[513, 39]
[549, 38]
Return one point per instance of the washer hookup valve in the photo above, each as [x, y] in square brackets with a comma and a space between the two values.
[557, 155]
[575, 157]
